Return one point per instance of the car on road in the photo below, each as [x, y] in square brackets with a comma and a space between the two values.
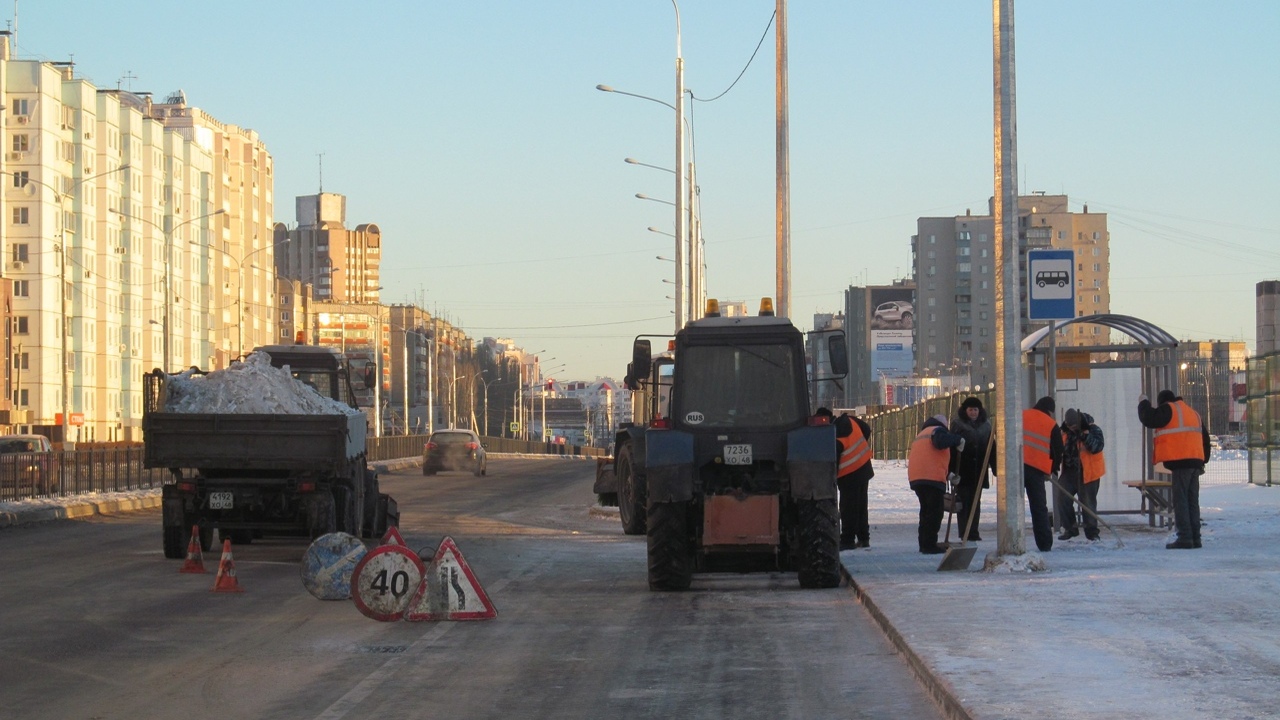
[454, 450]
[894, 312]
[28, 462]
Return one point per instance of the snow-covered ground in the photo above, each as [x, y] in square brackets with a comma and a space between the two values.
[1117, 628]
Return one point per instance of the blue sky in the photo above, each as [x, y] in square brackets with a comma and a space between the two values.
[473, 135]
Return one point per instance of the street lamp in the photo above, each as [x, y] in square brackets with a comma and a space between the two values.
[165, 324]
[61, 197]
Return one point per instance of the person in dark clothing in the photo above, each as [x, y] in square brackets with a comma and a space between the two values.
[1082, 468]
[853, 475]
[971, 423]
[1041, 457]
[1182, 444]
[927, 467]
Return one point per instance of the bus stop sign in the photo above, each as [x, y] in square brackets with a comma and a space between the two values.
[1051, 284]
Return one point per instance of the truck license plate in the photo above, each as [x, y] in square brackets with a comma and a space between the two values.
[221, 500]
[737, 454]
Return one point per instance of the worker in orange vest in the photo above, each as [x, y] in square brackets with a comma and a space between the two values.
[1082, 469]
[928, 464]
[1041, 457]
[853, 475]
[1182, 444]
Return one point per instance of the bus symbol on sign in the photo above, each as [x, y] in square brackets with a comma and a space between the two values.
[1061, 278]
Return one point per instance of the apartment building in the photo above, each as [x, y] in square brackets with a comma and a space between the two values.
[124, 227]
[343, 265]
[954, 271]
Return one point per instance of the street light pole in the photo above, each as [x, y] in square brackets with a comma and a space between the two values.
[681, 236]
[63, 298]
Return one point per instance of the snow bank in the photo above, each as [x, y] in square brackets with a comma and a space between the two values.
[250, 387]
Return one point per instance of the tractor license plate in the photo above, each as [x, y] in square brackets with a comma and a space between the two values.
[737, 454]
[221, 500]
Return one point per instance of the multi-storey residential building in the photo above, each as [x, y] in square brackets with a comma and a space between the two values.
[1207, 371]
[343, 265]
[114, 210]
[955, 272]
[236, 260]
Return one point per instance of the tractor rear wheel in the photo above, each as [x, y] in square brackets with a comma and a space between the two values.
[670, 547]
[819, 551]
[631, 493]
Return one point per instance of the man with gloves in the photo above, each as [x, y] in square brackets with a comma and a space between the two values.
[1082, 470]
[971, 423]
[927, 466]
[1182, 444]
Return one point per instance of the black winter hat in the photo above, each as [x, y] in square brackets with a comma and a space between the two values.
[1166, 396]
[971, 402]
[1047, 404]
[1072, 418]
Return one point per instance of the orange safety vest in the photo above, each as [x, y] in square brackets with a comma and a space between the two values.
[1182, 438]
[854, 452]
[926, 462]
[1037, 427]
[1092, 465]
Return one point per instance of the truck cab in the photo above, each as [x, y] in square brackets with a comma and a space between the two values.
[323, 368]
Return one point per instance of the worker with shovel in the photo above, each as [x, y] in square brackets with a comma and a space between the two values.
[927, 467]
[1041, 457]
[1083, 466]
[971, 423]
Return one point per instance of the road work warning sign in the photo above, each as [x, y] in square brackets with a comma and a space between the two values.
[449, 590]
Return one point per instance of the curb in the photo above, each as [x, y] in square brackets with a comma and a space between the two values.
[87, 508]
[938, 688]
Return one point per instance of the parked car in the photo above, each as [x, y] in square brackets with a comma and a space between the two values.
[894, 312]
[454, 450]
[28, 462]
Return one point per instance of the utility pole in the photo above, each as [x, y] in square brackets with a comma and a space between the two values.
[783, 169]
[1010, 538]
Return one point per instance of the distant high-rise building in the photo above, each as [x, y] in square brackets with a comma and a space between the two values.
[954, 270]
[343, 265]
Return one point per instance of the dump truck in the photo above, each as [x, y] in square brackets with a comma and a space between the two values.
[731, 471]
[250, 474]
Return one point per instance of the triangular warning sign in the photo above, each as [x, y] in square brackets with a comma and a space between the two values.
[392, 537]
[449, 590]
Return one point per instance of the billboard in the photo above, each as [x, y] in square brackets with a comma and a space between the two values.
[890, 319]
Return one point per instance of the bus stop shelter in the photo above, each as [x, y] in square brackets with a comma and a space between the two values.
[1105, 381]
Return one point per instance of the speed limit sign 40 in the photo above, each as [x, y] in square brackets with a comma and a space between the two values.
[384, 581]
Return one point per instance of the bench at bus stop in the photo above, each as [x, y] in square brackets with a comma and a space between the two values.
[1157, 500]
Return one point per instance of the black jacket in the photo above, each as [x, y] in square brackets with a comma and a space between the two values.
[1089, 437]
[976, 434]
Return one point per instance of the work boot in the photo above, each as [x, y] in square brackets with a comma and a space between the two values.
[1180, 545]
[1091, 537]
[1068, 534]
[864, 543]
[935, 550]
[1195, 543]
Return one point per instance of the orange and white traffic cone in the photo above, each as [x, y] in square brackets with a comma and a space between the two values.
[226, 578]
[195, 560]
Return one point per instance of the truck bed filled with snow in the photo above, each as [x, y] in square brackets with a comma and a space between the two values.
[249, 387]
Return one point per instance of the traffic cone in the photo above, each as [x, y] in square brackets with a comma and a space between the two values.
[226, 578]
[195, 560]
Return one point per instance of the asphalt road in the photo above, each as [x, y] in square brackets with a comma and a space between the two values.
[97, 624]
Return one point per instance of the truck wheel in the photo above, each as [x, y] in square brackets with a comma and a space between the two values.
[670, 548]
[322, 518]
[175, 545]
[631, 494]
[819, 550]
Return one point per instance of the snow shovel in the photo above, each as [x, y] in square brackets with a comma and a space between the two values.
[958, 558]
[1054, 479]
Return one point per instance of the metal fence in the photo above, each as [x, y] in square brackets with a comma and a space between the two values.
[85, 470]
[892, 432]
